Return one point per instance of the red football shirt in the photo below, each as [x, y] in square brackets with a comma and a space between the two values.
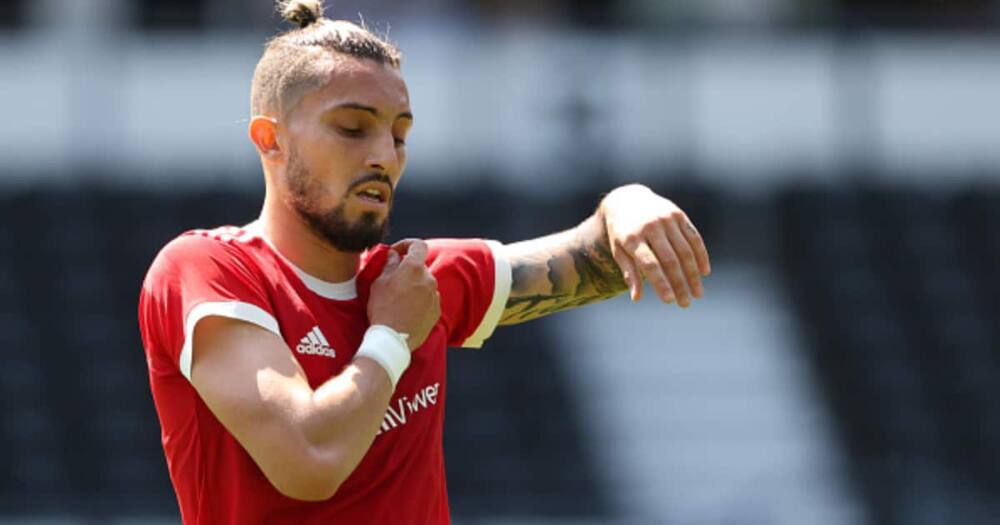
[235, 272]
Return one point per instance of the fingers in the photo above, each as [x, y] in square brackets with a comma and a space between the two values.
[391, 262]
[416, 252]
[629, 271]
[686, 254]
[416, 262]
[409, 251]
[401, 246]
[697, 245]
[651, 268]
[672, 258]
[671, 265]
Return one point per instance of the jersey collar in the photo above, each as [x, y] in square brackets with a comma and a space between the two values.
[342, 291]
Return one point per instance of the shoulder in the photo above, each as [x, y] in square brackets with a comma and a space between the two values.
[194, 243]
[224, 242]
[442, 255]
[205, 251]
[465, 258]
[474, 280]
[439, 252]
[447, 259]
[469, 250]
[470, 263]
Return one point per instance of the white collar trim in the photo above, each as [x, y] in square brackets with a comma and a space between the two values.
[342, 291]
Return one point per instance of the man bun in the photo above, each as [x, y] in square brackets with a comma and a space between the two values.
[301, 12]
[294, 61]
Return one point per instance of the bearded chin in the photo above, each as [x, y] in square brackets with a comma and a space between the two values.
[333, 226]
[343, 234]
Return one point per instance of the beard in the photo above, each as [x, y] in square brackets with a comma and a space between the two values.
[332, 225]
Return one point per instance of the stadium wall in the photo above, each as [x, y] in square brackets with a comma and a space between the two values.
[747, 112]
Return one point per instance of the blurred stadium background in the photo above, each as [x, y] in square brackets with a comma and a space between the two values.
[839, 155]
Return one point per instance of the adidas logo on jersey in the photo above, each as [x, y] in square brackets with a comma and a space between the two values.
[315, 344]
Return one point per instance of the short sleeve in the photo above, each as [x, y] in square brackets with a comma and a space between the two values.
[474, 278]
[196, 276]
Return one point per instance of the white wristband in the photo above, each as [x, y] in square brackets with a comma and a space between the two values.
[388, 348]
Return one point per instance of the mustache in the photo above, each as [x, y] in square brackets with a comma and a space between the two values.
[372, 177]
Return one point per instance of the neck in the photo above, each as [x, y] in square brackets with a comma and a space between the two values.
[297, 242]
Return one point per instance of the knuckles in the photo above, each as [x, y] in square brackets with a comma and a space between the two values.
[650, 228]
[684, 252]
[631, 241]
[674, 216]
[415, 277]
[649, 266]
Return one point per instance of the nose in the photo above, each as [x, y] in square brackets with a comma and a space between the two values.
[383, 155]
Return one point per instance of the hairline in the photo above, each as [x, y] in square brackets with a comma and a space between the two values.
[333, 56]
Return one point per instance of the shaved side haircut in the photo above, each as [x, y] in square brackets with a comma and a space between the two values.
[299, 60]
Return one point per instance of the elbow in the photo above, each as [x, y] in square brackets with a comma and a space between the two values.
[311, 477]
[307, 490]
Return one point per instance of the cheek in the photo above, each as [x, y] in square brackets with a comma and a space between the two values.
[326, 150]
[312, 180]
[324, 145]
[331, 163]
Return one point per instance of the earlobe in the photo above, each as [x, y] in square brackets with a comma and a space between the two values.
[264, 134]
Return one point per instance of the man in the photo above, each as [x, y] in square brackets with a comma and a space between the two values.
[297, 365]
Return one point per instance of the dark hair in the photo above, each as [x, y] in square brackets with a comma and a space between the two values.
[297, 61]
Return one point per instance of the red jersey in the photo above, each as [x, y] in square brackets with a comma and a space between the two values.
[236, 273]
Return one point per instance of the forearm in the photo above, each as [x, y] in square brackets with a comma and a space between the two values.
[562, 271]
[307, 442]
[346, 412]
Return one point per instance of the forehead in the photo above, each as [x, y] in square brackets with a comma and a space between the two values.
[359, 80]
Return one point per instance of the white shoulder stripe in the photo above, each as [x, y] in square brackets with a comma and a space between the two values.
[501, 291]
[232, 309]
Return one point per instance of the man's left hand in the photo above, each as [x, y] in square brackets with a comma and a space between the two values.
[651, 237]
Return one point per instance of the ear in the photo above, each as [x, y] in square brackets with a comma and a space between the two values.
[264, 135]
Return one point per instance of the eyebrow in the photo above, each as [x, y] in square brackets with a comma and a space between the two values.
[369, 109]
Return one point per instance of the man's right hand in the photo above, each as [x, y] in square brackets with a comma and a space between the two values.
[405, 297]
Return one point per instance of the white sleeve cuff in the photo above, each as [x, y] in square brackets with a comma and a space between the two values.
[231, 309]
[501, 291]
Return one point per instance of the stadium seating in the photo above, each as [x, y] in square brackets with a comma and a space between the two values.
[898, 291]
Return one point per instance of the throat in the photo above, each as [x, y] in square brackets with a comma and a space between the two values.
[294, 239]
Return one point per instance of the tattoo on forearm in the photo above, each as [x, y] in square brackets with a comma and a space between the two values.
[564, 275]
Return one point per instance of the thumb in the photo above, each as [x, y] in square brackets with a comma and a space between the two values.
[391, 262]
[401, 246]
[417, 252]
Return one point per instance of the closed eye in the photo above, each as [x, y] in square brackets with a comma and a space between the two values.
[351, 132]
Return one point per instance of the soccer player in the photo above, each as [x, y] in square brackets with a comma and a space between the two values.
[297, 364]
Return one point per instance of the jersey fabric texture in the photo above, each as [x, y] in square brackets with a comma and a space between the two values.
[236, 273]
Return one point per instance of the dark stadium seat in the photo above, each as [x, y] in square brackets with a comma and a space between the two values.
[898, 291]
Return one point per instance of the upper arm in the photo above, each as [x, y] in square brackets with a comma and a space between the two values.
[560, 271]
[474, 279]
[205, 314]
[257, 390]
